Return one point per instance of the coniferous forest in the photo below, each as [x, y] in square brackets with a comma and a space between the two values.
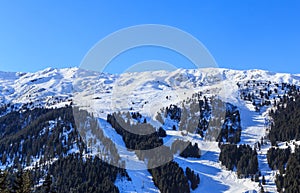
[242, 157]
[286, 119]
[286, 127]
[50, 135]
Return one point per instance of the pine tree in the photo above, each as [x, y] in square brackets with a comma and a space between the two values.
[3, 182]
[47, 183]
[27, 182]
[22, 182]
[162, 132]
[279, 182]
[256, 178]
[262, 189]
[292, 176]
[193, 178]
[263, 181]
[18, 182]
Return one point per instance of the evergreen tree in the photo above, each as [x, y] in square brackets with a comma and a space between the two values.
[162, 132]
[47, 183]
[193, 178]
[279, 182]
[292, 178]
[286, 120]
[27, 182]
[17, 182]
[3, 182]
[244, 158]
[263, 181]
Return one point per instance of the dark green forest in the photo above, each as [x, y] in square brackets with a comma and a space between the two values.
[286, 119]
[286, 127]
[241, 157]
[47, 134]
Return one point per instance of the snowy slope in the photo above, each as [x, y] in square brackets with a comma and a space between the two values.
[51, 86]
[147, 93]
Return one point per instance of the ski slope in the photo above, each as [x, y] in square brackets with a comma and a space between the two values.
[147, 93]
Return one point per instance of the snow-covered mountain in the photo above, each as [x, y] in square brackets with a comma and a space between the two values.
[51, 86]
[147, 93]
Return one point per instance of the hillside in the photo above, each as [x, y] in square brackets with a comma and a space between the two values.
[204, 130]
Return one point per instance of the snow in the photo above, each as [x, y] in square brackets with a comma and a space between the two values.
[146, 92]
[141, 182]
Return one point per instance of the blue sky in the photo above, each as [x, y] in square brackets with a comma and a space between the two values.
[256, 34]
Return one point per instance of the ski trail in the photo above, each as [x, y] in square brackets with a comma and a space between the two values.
[253, 129]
